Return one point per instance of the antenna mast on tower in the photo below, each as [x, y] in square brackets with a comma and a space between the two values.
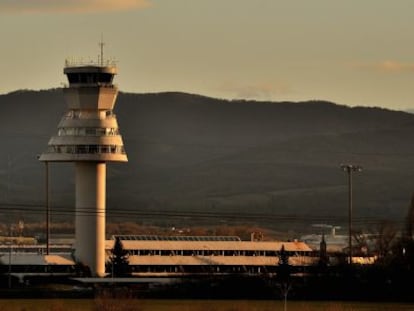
[101, 45]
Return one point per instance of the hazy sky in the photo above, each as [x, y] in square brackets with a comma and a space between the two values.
[352, 52]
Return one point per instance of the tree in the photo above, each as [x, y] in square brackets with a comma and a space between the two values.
[323, 254]
[387, 234]
[283, 274]
[118, 262]
[409, 220]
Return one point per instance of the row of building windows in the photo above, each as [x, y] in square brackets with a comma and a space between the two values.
[33, 268]
[268, 253]
[70, 269]
[88, 131]
[202, 269]
[87, 149]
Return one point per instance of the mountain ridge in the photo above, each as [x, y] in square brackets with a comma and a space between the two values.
[190, 153]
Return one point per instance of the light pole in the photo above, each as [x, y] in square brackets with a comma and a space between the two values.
[47, 208]
[350, 168]
[9, 274]
[47, 205]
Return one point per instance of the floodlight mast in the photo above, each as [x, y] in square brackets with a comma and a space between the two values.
[349, 169]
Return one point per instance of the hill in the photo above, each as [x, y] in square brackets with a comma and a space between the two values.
[199, 159]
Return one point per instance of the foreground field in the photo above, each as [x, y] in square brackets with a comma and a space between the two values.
[192, 305]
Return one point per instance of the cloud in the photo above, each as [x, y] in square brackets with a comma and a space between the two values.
[387, 66]
[259, 91]
[70, 6]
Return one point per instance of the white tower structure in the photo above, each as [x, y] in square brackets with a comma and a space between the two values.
[88, 135]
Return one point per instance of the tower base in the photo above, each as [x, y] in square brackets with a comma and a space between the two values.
[90, 216]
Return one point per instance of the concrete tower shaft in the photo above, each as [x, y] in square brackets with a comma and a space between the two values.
[90, 215]
[88, 135]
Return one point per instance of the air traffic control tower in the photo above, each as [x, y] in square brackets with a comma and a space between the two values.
[88, 135]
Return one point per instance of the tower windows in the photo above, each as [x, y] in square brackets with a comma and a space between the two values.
[88, 114]
[88, 131]
[73, 114]
[87, 149]
[100, 78]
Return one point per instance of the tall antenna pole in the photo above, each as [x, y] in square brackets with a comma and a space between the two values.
[101, 45]
[47, 207]
[350, 168]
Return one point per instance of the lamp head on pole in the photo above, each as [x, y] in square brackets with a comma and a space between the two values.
[351, 168]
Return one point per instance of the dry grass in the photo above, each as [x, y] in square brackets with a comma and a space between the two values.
[116, 300]
[104, 304]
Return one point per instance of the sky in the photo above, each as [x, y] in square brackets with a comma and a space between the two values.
[353, 52]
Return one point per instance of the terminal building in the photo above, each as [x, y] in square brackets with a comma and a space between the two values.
[163, 256]
[187, 255]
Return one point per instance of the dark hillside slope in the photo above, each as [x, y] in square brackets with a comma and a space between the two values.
[189, 154]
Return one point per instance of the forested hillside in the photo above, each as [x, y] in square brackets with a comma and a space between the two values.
[194, 158]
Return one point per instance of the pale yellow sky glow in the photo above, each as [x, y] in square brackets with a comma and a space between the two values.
[350, 52]
[69, 6]
[389, 66]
